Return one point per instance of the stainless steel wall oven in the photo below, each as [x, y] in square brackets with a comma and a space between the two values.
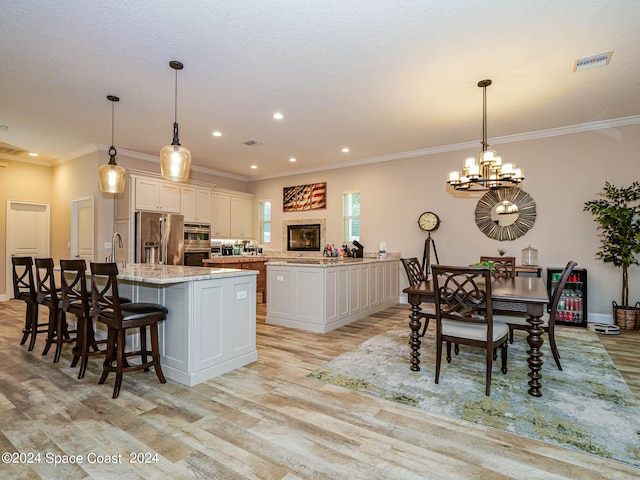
[197, 243]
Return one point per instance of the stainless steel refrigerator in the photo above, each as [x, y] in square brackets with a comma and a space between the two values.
[159, 238]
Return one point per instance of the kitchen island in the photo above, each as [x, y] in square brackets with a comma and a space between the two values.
[244, 262]
[211, 325]
[321, 294]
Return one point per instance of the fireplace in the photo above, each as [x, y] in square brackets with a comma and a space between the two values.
[304, 237]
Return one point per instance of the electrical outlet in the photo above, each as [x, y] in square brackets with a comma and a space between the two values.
[241, 295]
[107, 244]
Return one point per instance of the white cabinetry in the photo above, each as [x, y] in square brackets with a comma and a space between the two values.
[221, 206]
[157, 195]
[195, 204]
[320, 298]
[232, 215]
[241, 217]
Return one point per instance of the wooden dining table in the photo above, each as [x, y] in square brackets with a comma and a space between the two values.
[523, 294]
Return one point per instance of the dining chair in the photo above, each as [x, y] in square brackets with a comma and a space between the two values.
[464, 315]
[415, 275]
[548, 318]
[504, 266]
[108, 308]
[24, 288]
[48, 294]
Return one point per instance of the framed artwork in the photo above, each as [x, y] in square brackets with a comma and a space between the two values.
[304, 197]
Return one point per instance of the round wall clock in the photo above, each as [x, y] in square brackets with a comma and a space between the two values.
[428, 222]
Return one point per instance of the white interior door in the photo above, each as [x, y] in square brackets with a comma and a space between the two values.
[82, 229]
[27, 234]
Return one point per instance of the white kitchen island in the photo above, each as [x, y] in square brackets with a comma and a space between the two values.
[323, 294]
[211, 325]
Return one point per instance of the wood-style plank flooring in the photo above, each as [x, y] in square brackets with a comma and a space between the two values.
[264, 421]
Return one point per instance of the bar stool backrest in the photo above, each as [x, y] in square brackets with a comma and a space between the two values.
[23, 285]
[104, 294]
[46, 285]
[73, 287]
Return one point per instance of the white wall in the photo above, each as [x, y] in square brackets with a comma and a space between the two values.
[561, 172]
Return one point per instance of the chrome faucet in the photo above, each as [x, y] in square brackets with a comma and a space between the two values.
[113, 245]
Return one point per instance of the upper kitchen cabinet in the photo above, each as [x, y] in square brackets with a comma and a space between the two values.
[157, 195]
[221, 225]
[241, 217]
[232, 215]
[195, 204]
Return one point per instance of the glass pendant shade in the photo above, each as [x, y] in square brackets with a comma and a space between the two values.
[112, 176]
[175, 163]
[175, 160]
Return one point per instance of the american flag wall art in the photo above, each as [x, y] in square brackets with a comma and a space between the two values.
[305, 197]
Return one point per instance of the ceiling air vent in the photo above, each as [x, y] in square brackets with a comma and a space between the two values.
[252, 143]
[592, 62]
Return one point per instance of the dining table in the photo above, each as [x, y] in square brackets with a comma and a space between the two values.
[519, 294]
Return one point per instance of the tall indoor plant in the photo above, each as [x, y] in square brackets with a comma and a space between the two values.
[618, 213]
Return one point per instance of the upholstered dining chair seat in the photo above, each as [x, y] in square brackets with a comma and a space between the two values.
[473, 331]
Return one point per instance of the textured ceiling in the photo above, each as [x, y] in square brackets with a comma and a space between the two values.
[383, 77]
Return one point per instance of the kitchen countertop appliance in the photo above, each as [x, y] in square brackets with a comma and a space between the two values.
[159, 238]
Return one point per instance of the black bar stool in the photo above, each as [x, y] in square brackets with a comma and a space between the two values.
[49, 295]
[118, 317]
[24, 289]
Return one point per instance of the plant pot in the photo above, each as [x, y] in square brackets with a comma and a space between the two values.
[627, 318]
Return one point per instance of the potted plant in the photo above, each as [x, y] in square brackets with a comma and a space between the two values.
[618, 215]
[489, 264]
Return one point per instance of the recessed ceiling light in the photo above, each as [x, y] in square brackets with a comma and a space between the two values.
[278, 116]
[32, 154]
[345, 150]
[254, 166]
[292, 159]
[217, 134]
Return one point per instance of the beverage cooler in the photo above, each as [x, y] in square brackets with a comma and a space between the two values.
[572, 307]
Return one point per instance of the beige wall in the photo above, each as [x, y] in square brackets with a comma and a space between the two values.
[21, 182]
[561, 174]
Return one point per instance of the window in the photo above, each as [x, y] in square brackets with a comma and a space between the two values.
[351, 215]
[265, 221]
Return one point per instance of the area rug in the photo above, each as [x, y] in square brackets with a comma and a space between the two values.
[586, 407]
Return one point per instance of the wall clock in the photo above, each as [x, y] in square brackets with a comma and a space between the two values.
[505, 213]
[428, 222]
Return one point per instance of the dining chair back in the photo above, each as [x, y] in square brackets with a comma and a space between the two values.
[412, 266]
[464, 315]
[415, 275]
[24, 288]
[548, 318]
[503, 266]
[48, 294]
[118, 316]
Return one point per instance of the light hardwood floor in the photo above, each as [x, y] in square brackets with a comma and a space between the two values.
[264, 421]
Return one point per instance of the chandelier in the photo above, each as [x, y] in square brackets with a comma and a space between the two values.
[175, 160]
[488, 172]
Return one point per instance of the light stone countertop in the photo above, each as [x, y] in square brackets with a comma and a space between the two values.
[324, 262]
[163, 274]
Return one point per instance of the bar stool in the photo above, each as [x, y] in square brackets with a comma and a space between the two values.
[76, 299]
[118, 317]
[48, 294]
[24, 289]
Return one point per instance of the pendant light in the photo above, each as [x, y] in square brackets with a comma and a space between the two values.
[112, 176]
[175, 160]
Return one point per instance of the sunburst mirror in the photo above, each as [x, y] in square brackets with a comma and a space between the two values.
[505, 213]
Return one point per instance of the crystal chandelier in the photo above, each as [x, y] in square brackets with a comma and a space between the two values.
[112, 176]
[175, 160]
[488, 172]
